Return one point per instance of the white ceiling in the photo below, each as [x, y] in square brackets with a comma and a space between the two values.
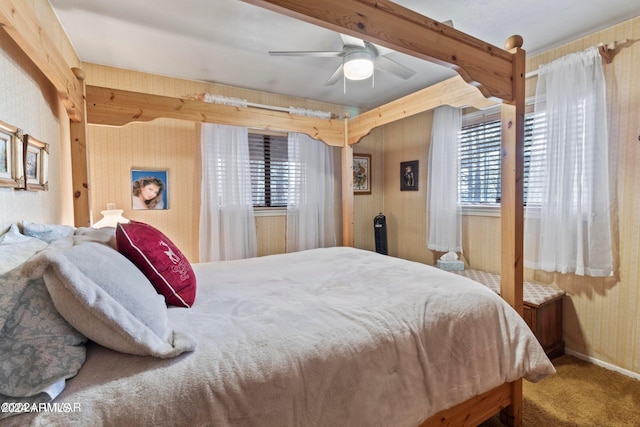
[227, 41]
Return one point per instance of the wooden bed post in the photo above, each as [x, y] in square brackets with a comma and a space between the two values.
[512, 205]
[348, 238]
[79, 162]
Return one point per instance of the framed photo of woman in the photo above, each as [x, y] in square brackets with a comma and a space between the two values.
[149, 189]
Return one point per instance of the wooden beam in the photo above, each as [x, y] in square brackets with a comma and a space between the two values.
[512, 204]
[80, 165]
[512, 187]
[20, 22]
[454, 92]
[512, 210]
[80, 175]
[116, 107]
[385, 23]
[512, 414]
[348, 237]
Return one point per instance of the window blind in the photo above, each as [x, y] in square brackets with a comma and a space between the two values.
[479, 155]
[479, 168]
[530, 149]
[269, 169]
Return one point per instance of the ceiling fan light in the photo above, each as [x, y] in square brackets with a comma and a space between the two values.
[358, 66]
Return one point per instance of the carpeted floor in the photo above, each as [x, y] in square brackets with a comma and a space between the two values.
[581, 394]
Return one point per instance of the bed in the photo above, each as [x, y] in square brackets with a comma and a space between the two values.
[493, 73]
[542, 308]
[324, 337]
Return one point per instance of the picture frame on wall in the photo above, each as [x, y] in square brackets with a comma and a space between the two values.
[36, 164]
[409, 175]
[11, 163]
[362, 173]
[149, 189]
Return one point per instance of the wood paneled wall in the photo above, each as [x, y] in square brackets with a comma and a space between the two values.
[171, 145]
[30, 103]
[367, 206]
[601, 316]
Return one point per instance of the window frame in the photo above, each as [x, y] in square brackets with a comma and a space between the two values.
[493, 114]
[267, 209]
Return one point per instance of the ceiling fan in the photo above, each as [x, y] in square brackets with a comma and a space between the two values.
[359, 59]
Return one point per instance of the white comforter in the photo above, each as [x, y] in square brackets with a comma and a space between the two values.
[326, 337]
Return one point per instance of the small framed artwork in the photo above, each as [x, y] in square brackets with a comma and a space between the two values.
[149, 189]
[11, 163]
[409, 176]
[36, 164]
[362, 173]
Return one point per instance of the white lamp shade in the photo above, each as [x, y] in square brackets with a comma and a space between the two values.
[358, 65]
[110, 217]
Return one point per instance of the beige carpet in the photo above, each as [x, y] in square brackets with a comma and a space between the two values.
[581, 394]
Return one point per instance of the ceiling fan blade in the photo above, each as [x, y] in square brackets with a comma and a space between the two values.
[390, 66]
[352, 41]
[319, 53]
[337, 74]
[383, 50]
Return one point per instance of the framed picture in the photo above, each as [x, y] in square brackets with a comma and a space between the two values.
[36, 164]
[409, 176]
[11, 157]
[362, 173]
[149, 189]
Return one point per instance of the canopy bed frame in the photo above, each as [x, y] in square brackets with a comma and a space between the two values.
[487, 75]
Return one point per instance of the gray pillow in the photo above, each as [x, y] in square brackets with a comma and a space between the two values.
[47, 232]
[104, 296]
[39, 350]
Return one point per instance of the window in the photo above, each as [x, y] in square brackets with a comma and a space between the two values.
[479, 156]
[269, 170]
[479, 170]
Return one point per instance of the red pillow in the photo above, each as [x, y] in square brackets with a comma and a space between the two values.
[160, 260]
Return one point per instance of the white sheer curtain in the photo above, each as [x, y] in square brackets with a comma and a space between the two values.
[445, 229]
[568, 227]
[310, 205]
[227, 227]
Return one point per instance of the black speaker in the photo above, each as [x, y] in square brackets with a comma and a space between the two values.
[380, 232]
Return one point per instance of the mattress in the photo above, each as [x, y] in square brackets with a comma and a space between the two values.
[323, 337]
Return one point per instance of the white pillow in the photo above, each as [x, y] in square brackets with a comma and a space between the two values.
[105, 297]
[106, 235]
[16, 248]
[13, 235]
